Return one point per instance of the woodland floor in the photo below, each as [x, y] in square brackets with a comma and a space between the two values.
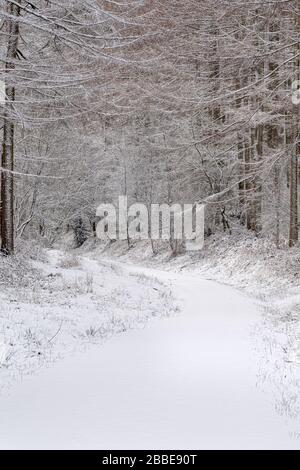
[212, 369]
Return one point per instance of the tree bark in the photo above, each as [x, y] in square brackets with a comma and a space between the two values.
[293, 229]
[293, 235]
[7, 157]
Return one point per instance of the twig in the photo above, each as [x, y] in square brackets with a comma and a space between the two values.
[51, 339]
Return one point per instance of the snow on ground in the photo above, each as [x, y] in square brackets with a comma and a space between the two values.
[218, 372]
[269, 276]
[189, 381]
[68, 303]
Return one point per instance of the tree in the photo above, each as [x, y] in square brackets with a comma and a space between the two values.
[8, 145]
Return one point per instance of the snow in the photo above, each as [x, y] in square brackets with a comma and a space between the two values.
[256, 267]
[69, 304]
[189, 381]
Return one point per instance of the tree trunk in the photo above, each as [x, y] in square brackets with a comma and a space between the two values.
[7, 157]
[293, 236]
[241, 159]
[293, 233]
[277, 185]
[258, 180]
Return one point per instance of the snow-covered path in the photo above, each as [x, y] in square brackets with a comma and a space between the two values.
[185, 382]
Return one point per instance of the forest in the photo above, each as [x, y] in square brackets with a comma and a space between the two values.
[161, 102]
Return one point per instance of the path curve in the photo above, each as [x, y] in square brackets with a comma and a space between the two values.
[186, 382]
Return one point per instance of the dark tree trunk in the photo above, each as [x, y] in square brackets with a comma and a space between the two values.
[7, 156]
[293, 232]
[293, 235]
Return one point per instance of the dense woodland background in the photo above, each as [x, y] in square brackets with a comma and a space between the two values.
[164, 101]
